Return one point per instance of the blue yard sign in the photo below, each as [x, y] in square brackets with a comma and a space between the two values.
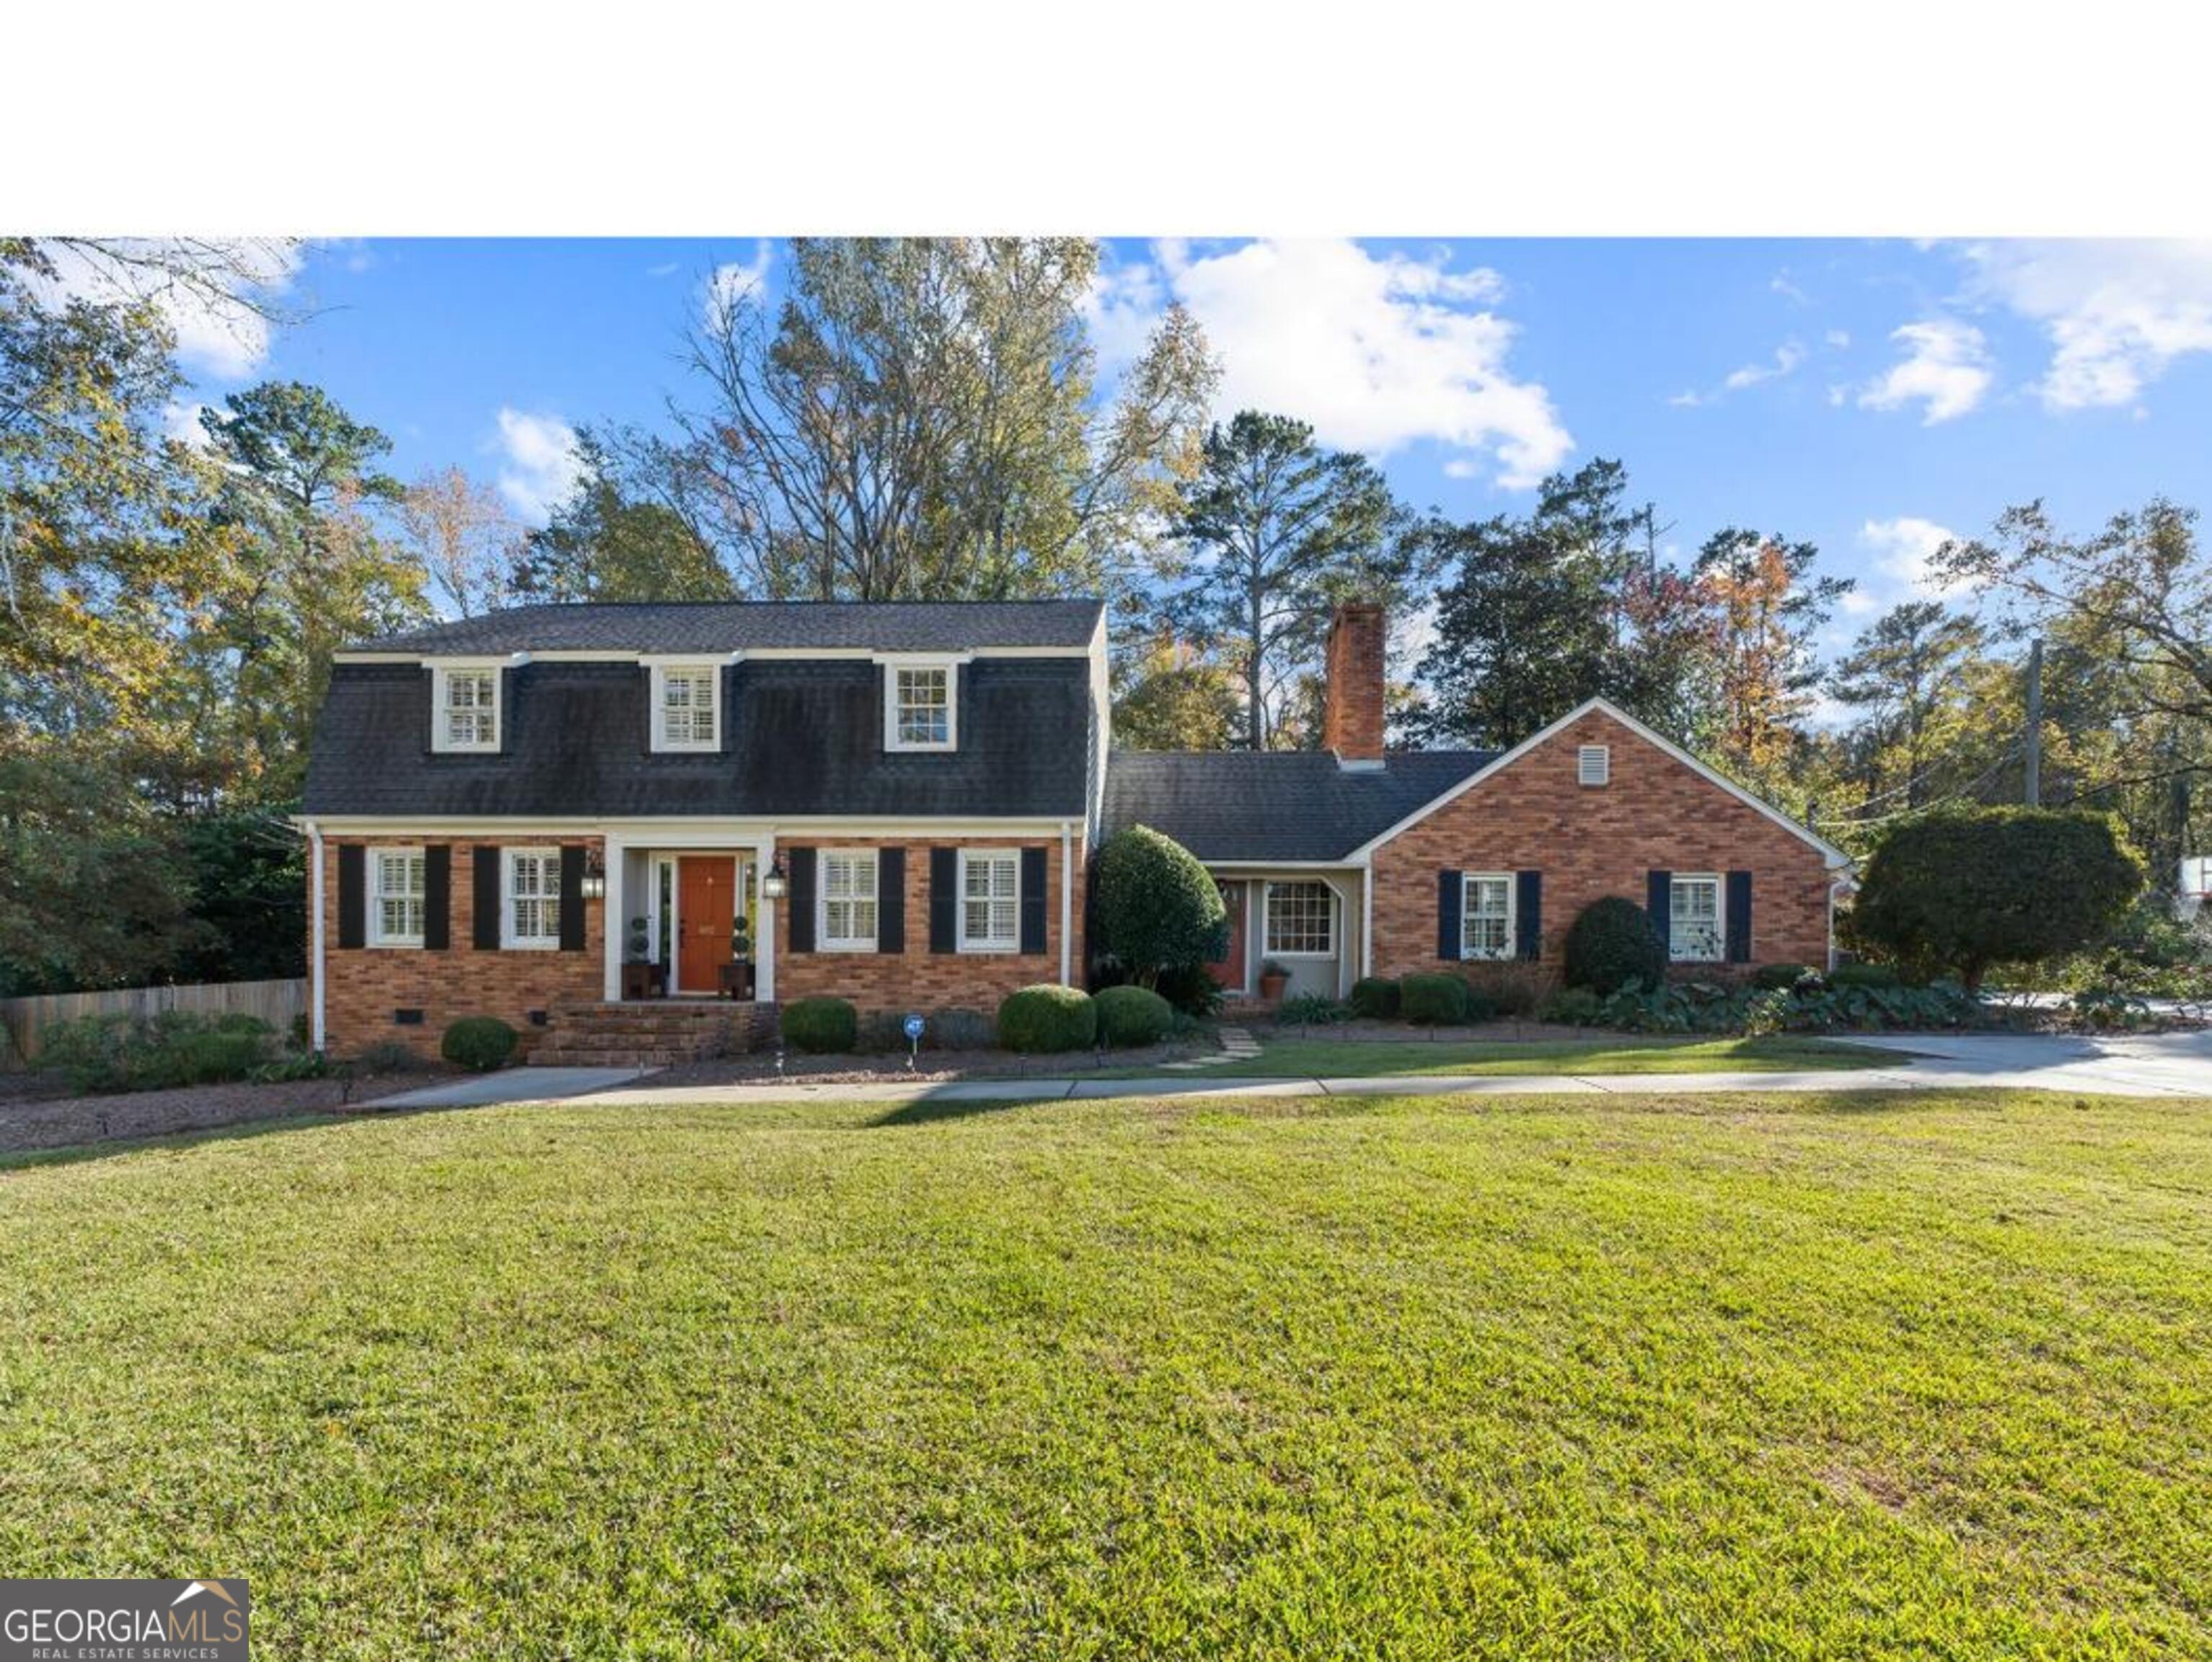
[914, 1027]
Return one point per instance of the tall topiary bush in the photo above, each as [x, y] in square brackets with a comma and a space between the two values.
[1963, 889]
[1154, 906]
[1612, 946]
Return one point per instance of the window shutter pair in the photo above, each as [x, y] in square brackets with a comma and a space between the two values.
[1527, 914]
[437, 896]
[944, 900]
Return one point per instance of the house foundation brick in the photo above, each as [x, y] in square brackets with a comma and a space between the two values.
[1594, 841]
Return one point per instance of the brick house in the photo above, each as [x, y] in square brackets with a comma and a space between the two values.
[618, 823]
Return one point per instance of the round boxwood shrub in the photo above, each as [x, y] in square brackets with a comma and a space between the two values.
[1436, 1001]
[1612, 946]
[1133, 1015]
[1041, 1019]
[820, 1025]
[1154, 907]
[1374, 997]
[479, 1043]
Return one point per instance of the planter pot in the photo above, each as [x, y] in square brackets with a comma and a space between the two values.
[1271, 988]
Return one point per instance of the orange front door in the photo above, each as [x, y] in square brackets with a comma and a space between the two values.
[706, 902]
[1228, 970]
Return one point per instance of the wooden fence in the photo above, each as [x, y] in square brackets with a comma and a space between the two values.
[275, 1002]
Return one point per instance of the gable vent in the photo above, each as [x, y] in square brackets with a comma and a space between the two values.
[1593, 765]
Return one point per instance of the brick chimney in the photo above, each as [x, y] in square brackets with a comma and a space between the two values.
[1351, 708]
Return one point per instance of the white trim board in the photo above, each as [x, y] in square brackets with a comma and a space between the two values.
[1836, 858]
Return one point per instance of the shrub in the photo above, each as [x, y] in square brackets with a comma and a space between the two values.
[1964, 888]
[960, 1030]
[177, 1047]
[1574, 1007]
[1862, 974]
[1311, 1010]
[1191, 990]
[386, 1056]
[1514, 989]
[205, 1058]
[1154, 907]
[2109, 1007]
[1785, 977]
[1041, 1019]
[93, 1053]
[820, 1025]
[297, 1065]
[479, 1043]
[1612, 946]
[1375, 998]
[880, 1030]
[1436, 1001]
[238, 1021]
[1133, 1015]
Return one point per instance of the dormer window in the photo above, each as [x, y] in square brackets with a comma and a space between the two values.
[687, 706]
[918, 711]
[466, 703]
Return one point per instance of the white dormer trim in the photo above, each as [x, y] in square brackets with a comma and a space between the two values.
[443, 671]
[657, 672]
[893, 663]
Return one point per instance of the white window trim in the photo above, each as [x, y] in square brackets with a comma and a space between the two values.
[1467, 882]
[440, 738]
[661, 743]
[962, 941]
[950, 666]
[1267, 919]
[377, 855]
[824, 940]
[509, 940]
[1594, 765]
[1674, 953]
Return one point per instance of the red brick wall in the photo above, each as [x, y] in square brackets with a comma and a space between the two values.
[1352, 700]
[366, 984]
[1595, 840]
[917, 978]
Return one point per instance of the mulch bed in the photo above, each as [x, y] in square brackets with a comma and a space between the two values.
[33, 1116]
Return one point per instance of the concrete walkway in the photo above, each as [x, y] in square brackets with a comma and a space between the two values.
[2150, 1065]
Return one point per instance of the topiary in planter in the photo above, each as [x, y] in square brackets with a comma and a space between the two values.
[1041, 1019]
[820, 1025]
[1374, 997]
[1436, 1000]
[479, 1043]
[1133, 1015]
[1612, 946]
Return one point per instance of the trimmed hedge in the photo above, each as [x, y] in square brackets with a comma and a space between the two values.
[1374, 997]
[1612, 946]
[1133, 1015]
[1862, 975]
[820, 1025]
[479, 1043]
[1044, 1019]
[1436, 1000]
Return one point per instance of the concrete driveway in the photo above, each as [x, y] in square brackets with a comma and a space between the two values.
[2147, 1065]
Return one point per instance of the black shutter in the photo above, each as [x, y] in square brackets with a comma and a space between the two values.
[485, 934]
[801, 900]
[1449, 915]
[353, 895]
[1033, 900]
[437, 896]
[1528, 915]
[891, 900]
[944, 900]
[1658, 905]
[572, 899]
[1739, 918]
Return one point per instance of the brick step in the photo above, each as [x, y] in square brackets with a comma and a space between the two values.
[654, 1035]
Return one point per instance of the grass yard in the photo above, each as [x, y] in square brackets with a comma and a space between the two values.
[1319, 1057]
[1758, 1376]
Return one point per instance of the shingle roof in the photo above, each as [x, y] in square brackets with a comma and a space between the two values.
[1274, 805]
[720, 626]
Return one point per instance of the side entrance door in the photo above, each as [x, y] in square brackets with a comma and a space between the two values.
[706, 901]
[1229, 971]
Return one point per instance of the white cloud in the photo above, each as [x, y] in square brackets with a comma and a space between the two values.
[1837, 338]
[736, 279]
[542, 462]
[210, 306]
[1900, 552]
[1787, 357]
[1378, 351]
[181, 422]
[2116, 313]
[1783, 286]
[1946, 366]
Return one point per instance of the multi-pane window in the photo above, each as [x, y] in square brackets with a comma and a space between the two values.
[1301, 919]
[990, 902]
[686, 708]
[922, 707]
[848, 901]
[533, 897]
[395, 897]
[1486, 915]
[468, 709]
[1693, 920]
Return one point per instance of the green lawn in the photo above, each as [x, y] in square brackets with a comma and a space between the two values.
[1319, 1057]
[1757, 1376]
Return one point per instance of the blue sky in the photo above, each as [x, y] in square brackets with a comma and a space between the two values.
[1866, 396]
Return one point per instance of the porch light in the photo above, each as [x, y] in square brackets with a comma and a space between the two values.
[775, 885]
[595, 886]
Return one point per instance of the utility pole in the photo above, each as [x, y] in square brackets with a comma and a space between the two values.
[2035, 722]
